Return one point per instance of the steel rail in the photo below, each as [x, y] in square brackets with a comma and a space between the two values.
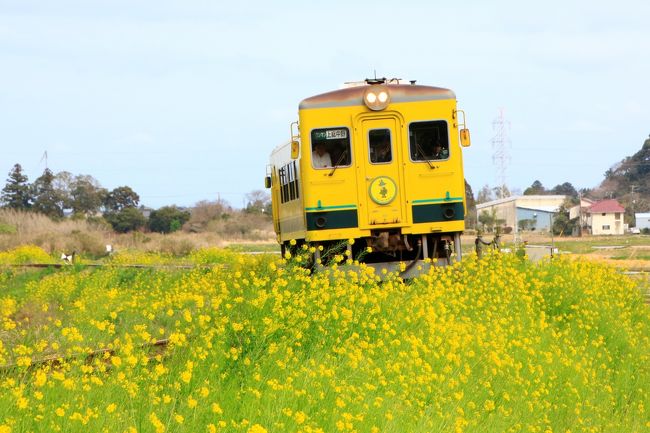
[58, 360]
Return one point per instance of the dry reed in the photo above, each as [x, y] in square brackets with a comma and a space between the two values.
[90, 238]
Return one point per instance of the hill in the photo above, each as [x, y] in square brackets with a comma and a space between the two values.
[629, 182]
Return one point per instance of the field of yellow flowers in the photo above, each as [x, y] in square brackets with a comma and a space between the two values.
[256, 344]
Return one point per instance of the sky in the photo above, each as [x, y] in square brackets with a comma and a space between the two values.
[183, 101]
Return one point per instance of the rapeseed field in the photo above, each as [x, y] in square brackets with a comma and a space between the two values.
[255, 344]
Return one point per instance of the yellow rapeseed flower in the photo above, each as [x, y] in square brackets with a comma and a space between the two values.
[22, 403]
[158, 425]
[300, 417]
[256, 428]
[216, 408]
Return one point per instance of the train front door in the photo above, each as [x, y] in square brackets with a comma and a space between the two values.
[380, 186]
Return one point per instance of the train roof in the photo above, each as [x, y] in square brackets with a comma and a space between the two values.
[354, 95]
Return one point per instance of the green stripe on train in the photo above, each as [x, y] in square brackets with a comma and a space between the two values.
[428, 213]
[334, 219]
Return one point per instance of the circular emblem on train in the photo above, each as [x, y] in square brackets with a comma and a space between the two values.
[382, 190]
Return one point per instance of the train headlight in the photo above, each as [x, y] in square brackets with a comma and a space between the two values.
[376, 97]
[321, 221]
[449, 213]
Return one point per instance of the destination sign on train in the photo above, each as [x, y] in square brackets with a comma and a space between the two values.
[336, 133]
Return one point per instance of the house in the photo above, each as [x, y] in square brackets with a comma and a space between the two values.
[606, 218]
[524, 212]
[580, 211]
[642, 220]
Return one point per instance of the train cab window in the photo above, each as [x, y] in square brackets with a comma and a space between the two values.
[379, 146]
[330, 147]
[429, 140]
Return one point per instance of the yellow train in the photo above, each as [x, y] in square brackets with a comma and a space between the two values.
[377, 168]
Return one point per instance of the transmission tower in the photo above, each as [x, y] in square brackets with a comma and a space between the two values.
[501, 156]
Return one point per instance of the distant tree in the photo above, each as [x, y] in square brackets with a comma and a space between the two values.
[487, 219]
[484, 195]
[258, 201]
[86, 195]
[526, 224]
[565, 189]
[167, 219]
[17, 193]
[586, 192]
[120, 198]
[470, 218]
[206, 214]
[47, 200]
[62, 185]
[501, 191]
[562, 225]
[126, 220]
[535, 189]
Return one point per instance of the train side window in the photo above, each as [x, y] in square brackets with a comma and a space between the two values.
[292, 193]
[330, 148]
[379, 146]
[429, 140]
[288, 177]
[295, 180]
[283, 185]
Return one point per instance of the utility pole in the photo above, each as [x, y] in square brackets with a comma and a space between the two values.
[632, 187]
[552, 241]
[579, 214]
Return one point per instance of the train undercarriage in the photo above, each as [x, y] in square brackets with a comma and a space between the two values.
[387, 250]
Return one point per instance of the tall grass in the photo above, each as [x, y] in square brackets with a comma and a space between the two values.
[89, 238]
[65, 235]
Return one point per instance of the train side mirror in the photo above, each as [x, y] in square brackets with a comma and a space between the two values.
[464, 138]
[295, 149]
[267, 182]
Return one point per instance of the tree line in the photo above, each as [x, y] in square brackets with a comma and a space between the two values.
[82, 196]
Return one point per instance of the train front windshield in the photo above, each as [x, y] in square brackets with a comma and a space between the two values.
[380, 148]
[428, 140]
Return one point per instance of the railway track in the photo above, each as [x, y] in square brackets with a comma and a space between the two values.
[639, 273]
[102, 265]
[133, 266]
[57, 360]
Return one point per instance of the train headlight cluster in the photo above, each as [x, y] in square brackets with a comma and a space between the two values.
[376, 97]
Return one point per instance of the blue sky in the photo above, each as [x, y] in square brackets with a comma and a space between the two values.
[184, 101]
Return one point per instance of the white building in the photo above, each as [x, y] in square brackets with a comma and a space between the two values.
[642, 220]
[526, 212]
